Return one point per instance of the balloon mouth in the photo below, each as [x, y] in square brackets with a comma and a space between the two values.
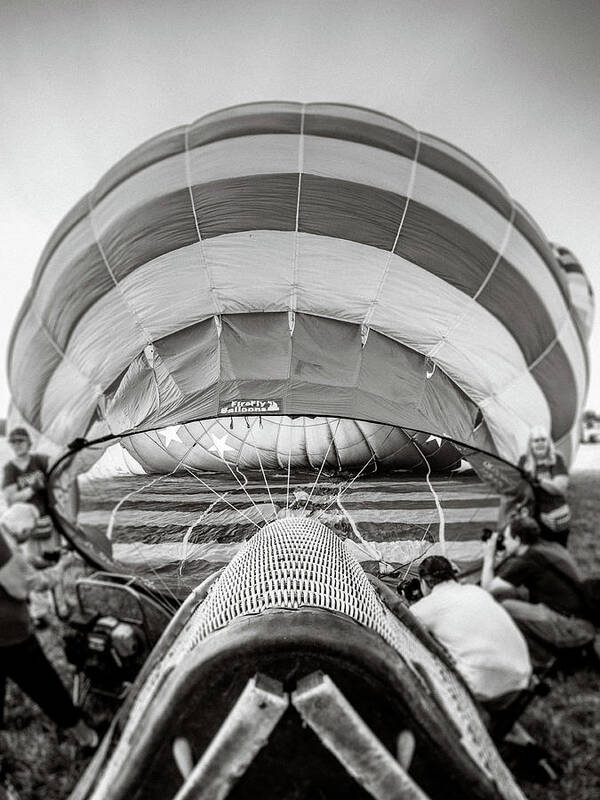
[171, 528]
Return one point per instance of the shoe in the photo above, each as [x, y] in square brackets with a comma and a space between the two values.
[85, 736]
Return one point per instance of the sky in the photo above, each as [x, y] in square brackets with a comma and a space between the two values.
[515, 84]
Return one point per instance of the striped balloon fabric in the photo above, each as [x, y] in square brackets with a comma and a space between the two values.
[176, 530]
[295, 259]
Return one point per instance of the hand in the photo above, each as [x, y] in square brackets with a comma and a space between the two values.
[488, 548]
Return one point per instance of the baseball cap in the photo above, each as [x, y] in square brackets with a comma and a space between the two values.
[19, 435]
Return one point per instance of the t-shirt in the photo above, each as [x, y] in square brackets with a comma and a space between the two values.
[546, 501]
[545, 584]
[15, 624]
[487, 647]
[34, 476]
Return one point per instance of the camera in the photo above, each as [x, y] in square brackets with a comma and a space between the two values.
[487, 532]
[411, 589]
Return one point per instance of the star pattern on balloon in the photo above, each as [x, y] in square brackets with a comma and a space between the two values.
[170, 434]
[220, 446]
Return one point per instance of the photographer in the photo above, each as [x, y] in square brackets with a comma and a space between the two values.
[555, 615]
[487, 647]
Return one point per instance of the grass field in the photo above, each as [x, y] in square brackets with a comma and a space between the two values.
[37, 762]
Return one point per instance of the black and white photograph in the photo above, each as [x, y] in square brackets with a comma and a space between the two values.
[300, 400]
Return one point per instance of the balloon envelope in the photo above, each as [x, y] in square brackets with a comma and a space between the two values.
[281, 286]
[314, 259]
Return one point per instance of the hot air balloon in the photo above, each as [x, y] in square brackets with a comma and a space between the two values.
[280, 320]
[302, 285]
[213, 265]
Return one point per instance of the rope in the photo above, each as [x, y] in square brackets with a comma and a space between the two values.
[436, 499]
[323, 462]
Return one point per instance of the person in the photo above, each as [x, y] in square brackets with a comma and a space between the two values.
[547, 474]
[24, 486]
[538, 585]
[22, 658]
[25, 520]
[488, 649]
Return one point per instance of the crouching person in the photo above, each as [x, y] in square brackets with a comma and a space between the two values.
[554, 615]
[485, 644]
